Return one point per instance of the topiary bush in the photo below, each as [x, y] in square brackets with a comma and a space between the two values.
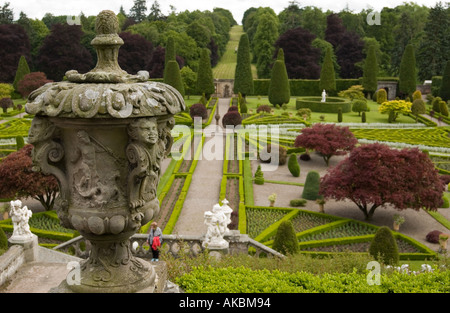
[233, 108]
[417, 95]
[293, 165]
[6, 103]
[285, 240]
[259, 176]
[3, 240]
[231, 118]
[435, 104]
[282, 154]
[433, 236]
[359, 106]
[383, 247]
[298, 202]
[311, 188]
[363, 117]
[443, 109]
[263, 108]
[198, 110]
[381, 96]
[305, 157]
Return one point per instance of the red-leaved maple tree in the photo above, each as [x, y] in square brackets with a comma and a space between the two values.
[327, 139]
[375, 175]
[18, 180]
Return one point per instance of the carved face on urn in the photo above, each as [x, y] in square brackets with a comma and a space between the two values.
[144, 130]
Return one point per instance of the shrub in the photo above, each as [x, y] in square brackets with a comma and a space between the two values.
[259, 176]
[298, 202]
[285, 240]
[417, 95]
[233, 108]
[31, 82]
[304, 113]
[359, 106]
[263, 108]
[435, 104]
[381, 96]
[363, 117]
[231, 118]
[354, 92]
[282, 154]
[3, 240]
[293, 165]
[20, 143]
[418, 107]
[243, 107]
[339, 115]
[384, 247]
[433, 236]
[198, 110]
[311, 188]
[446, 203]
[443, 109]
[6, 103]
[305, 157]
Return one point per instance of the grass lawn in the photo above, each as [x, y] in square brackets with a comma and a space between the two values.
[371, 117]
[226, 67]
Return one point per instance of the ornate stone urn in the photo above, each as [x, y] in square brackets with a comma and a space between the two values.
[103, 134]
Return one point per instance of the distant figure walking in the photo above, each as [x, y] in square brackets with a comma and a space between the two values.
[155, 240]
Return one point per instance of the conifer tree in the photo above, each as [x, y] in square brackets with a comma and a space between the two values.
[22, 70]
[243, 79]
[205, 83]
[444, 92]
[286, 241]
[370, 72]
[173, 76]
[407, 76]
[327, 75]
[279, 89]
[170, 53]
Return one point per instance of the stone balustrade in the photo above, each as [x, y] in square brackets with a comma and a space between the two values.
[176, 245]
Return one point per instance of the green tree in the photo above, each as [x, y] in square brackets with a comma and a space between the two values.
[172, 76]
[189, 78]
[407, 76]
[444, 92]
[311, 187]
[433, 50]
[243, 79]
[279, 89]
[369, 80]
[259, 176]
[22, 70]
[293, 165]
[384, 247]
[327, 74]
[205, 82]
[138, 11]
[6, 14]
[170, 54]
[418, 107]
[263, 43]
[286, 241]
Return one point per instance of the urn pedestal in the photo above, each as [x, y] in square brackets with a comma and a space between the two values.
[103, 135]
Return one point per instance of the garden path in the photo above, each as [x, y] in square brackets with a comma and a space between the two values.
[204, 190]
[439, 123]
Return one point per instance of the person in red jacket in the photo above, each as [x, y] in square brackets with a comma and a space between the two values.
[155, 240]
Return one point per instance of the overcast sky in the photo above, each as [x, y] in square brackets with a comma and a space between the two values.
[37, 8]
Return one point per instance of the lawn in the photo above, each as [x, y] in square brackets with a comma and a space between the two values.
[226, 67]
[371, 117]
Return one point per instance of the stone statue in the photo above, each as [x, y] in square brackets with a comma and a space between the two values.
[217, 223]
[324, 96]
[20, 216]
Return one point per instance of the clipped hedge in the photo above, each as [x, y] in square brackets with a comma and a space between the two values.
[332, 104]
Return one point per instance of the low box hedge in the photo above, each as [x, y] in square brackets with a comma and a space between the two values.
[332, 104]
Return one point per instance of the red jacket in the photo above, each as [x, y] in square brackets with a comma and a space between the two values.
[156, 243]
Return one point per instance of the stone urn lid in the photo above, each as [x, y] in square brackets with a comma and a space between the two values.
[106, 91]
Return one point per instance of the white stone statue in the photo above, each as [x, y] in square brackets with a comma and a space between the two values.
[217, 222]
[20, 216]
[324, 96]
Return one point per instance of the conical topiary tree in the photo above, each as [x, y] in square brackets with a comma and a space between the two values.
[243, 77]
[173, 77]
[407, 75]
[418, 107]
[259, 176]
[22, 70]
[327, 74]
[286, 241]
[384, 247]
[293, 165]
[311, 187]
[369, 80]
[205, 82]
[279, 89]
[444, 92]
[381, 96]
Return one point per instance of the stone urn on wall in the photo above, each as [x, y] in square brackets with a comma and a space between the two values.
[103, 135]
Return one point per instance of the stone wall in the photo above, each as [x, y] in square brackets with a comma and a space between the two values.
[10, 262]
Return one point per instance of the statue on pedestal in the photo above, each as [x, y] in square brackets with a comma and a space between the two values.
[217, 222]
[324, 96]
[20, 216]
